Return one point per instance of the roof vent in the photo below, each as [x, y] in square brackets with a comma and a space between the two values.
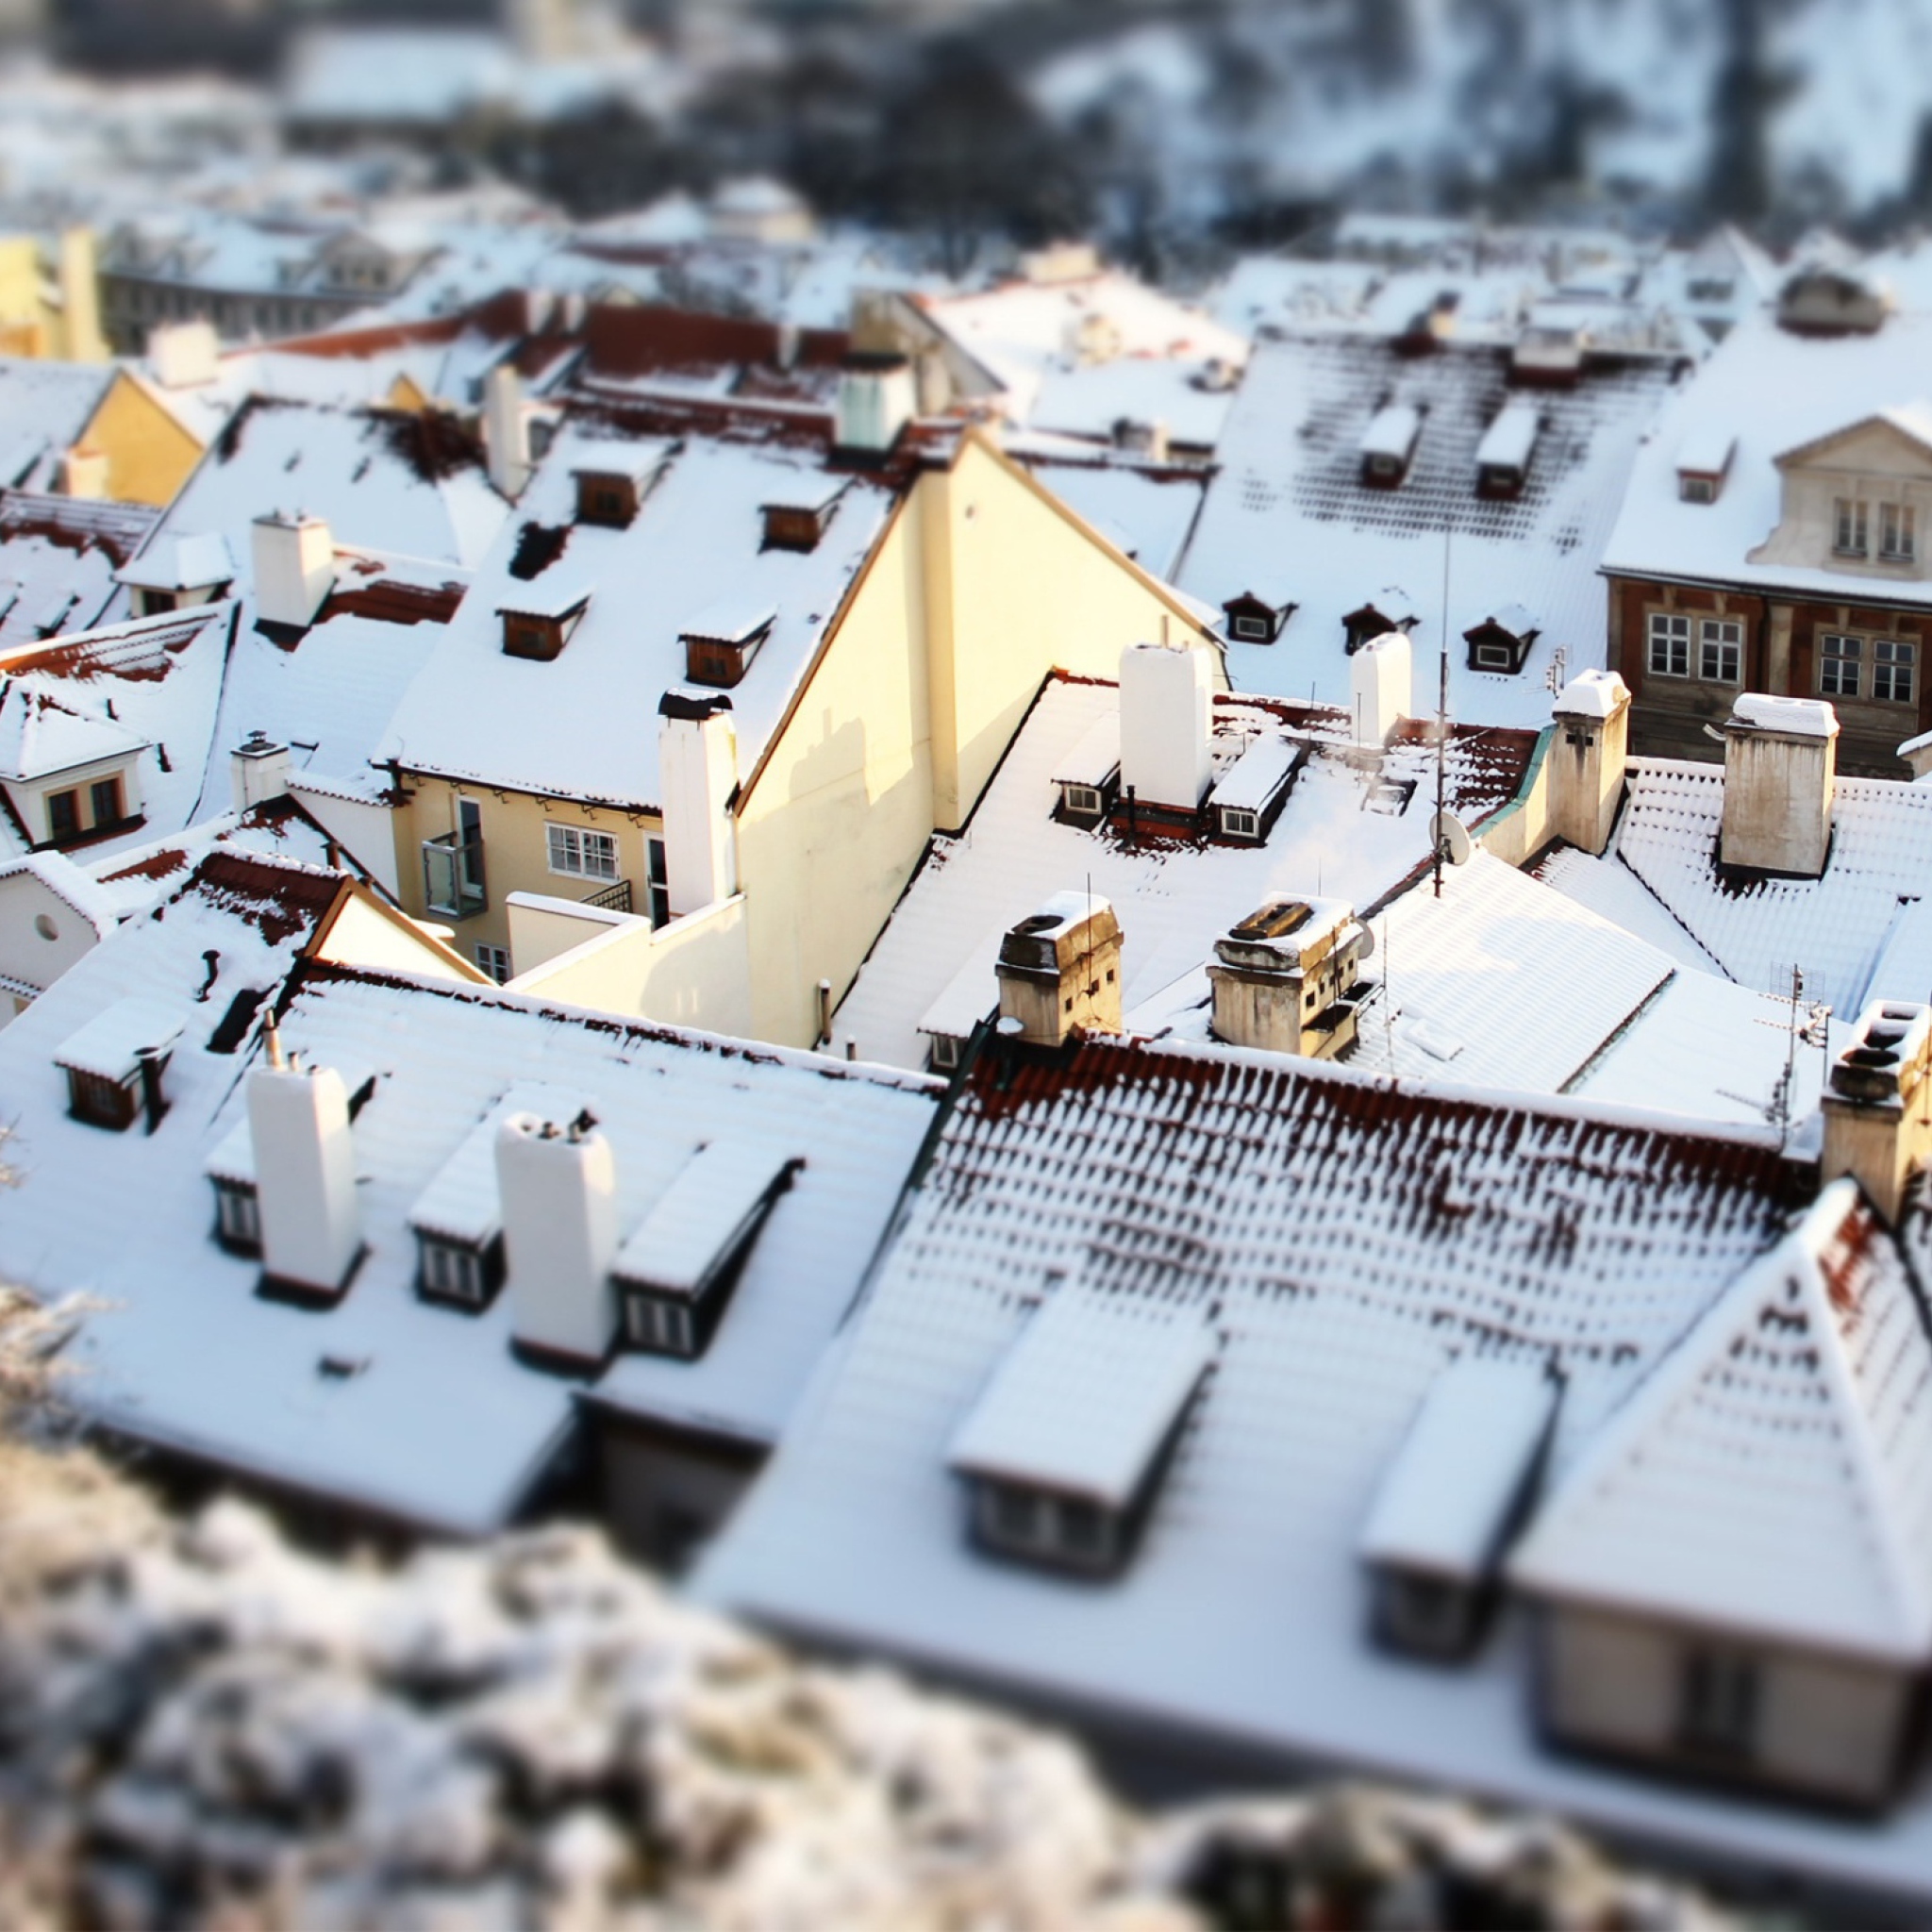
[1060, 970]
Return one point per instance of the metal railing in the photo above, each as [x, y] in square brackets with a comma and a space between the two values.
[614, 898]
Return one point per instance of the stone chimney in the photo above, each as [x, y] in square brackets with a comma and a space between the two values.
[184, 354]
[258, 771]
[84, 473]
[294, 567]
[1589, 756]
[1060, 970]
[1284, 977]
[1381, 680]
[1879, 1105]
[697, 774]
[557, 1189]
[1780, 767]
[1167, 721]
[506, 430]
[876, 401]
[80, 298]
[305, 1175]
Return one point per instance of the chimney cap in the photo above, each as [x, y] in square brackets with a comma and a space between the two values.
[1753, 711]
[1283, 927]
[1066, 926]
[1894, 1041]
[1593, 694]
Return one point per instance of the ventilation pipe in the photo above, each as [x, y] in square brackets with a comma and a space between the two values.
[1780, 772]
[1589, 758]
[294, 569]
[1167, 721]
[697, 777]
[1382, 681]
[305, 1175]
[557, 1191]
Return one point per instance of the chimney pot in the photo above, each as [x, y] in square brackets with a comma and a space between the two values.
[258, 771]
[1878, 1104]
[1382, 675]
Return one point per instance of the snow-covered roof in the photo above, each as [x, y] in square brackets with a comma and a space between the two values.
[110, 1045]
[44, 407]
[1142, 511]
[1446, 1502]
[185, 1353]
[701, 1219]
[1084, 1398]
[1288, 515]
[1769, 393]
[63, 550]
[40, 735]
[1391, 431]
[1774, 1472]
[69, 883]
[179, 559]
[1337, 835]
[570, 727]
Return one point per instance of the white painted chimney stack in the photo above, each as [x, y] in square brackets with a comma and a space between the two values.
[697, 772]
[258, 771]
[294, 567]
[1167, 719]
[876, 400]
[1780, 773]
[305, 1175]
[184, 354]
[1382, 684]
[557, 1188]
[506, 430]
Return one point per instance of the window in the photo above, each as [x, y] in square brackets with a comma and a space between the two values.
[99, 1101]
[1898, 532]
[1892, 661]
[64, 815]
[238, 1215]
[1423, 1613]
[1028, 1522]
[582, 854]
[1494, 657]
[104, 795]
[1238, 823]
[657, 875]
[1255, 629]
[1721, 651]
[470, 849]
[1670, 645]
[946, 1049]
[1718, 1694]
[452, 1270]
[1848, 527]
[664, 1327]
[1838, 665]
[1083, 801]
[1696, 489]
[495, 961]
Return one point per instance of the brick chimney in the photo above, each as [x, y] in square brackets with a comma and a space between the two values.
[1060, 970]
[556, 1189]
[1381, 678]
[305, 1175]
[697, 774]
[1283, 977]
[1878, 1104]
[1780, 768]
[1167, 721]
[1589, 756]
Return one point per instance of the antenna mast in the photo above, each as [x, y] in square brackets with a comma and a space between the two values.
[1442, 720]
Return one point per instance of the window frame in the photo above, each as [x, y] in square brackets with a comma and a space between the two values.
[1834, 685]
[68, 804]
[1708, 642]
[1897, 520]
[658, 881]
[659, 1326]
[490, 957]
[1720, 1701]
[1850, 527]
[238, 1216]
[559, 838]
[1230, 817]
[1659, 626]
[1249, 629]
[452, 1272]
[1083, 801]
[1892, 669]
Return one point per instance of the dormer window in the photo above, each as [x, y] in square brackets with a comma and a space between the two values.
[1898, 533]
[608, 497]
[1502, 642]
[1387, 445]
[458, 1222]
[1503, 457]
[539, 630]
[238, 1216]
[1248, 800]
[1363, 626]
[114, 1064]
[1850, 526]
[799, 519]
[721, 643]
[1253, 620]
[460, 1273]
[1702, 465]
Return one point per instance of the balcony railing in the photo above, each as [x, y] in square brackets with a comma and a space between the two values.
[453, 883]
[613, 898]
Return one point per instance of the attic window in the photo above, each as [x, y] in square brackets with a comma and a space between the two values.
[1387, 445]
[238, 1216]
[1363, 626]
[114, 1063]
[1252, 620]
[1063, 1451]
[1702, 465]
[1501, 642]
[540, 634]
[459, 1273]
[1503, 458]
[608, 497]
[720, 645]
[800, 520]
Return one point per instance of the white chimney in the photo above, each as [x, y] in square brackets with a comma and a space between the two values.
[1382, 680]
[876, 401]
[557, 1189]
[294, 567]
[258, 771]
[506, 430]
[697, 772]
[1589, 756]
[1780, 772]
[305, 1175]
[84, 473]
[184, 354]
[1167, 718]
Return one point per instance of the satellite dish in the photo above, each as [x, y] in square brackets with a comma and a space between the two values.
[1451, 837]
[1368, 949]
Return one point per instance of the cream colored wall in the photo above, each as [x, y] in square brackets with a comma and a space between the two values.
[1877, 464]
[362, 937]
[149, 454]
[27, 954]
[1524, 826]
[695, 972]
[542, 928]
[515, 850]
[1830, 1726]
[366, 832]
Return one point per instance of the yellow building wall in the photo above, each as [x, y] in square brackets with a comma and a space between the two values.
[149, 453]
[516, 852]
[21, 307]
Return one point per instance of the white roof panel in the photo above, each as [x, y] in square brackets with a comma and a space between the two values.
[701, 1218]
[111, 1043]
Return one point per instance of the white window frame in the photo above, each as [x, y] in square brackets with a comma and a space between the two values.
[1894, 670]
[238, 1214]
[1084, 799]
[1898, 533]
[1720, 1701]
[578, 852]
[661, 1326]
[1237, 822]
[1840, 672]
[1850, 527]
[1720, 641]
[494, 961]
[1253, 630]
[452, 1270]
[946, 1051]
[1695, 489]
[1494, 657]
[1668, 633]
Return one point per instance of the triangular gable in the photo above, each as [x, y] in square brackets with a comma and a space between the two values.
[1774, 1475]
[1912, 425]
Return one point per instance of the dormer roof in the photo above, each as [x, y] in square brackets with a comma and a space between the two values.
[1912, 420]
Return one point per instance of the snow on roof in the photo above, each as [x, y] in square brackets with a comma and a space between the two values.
[735, 619]
[1771, 393]
[1345, 1242]
[67, 882]
[1257, 775]
[1095, 755]
[185, 1351]
[570, 727]
[181, 561]
[461, 1204]
[1591, 694]
[63, 547]
[110, 1045]
[40, 735]
[703, 1217]
[1707, 449]
[1509, 440]
[1085, 1396]
[1795, 717]
[1391, 431]
[1147, 514]
[44, 407]
[1288, 514]
[1835, 929]
[1173, 900]
[1774, 1472]
[1447, 1499]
